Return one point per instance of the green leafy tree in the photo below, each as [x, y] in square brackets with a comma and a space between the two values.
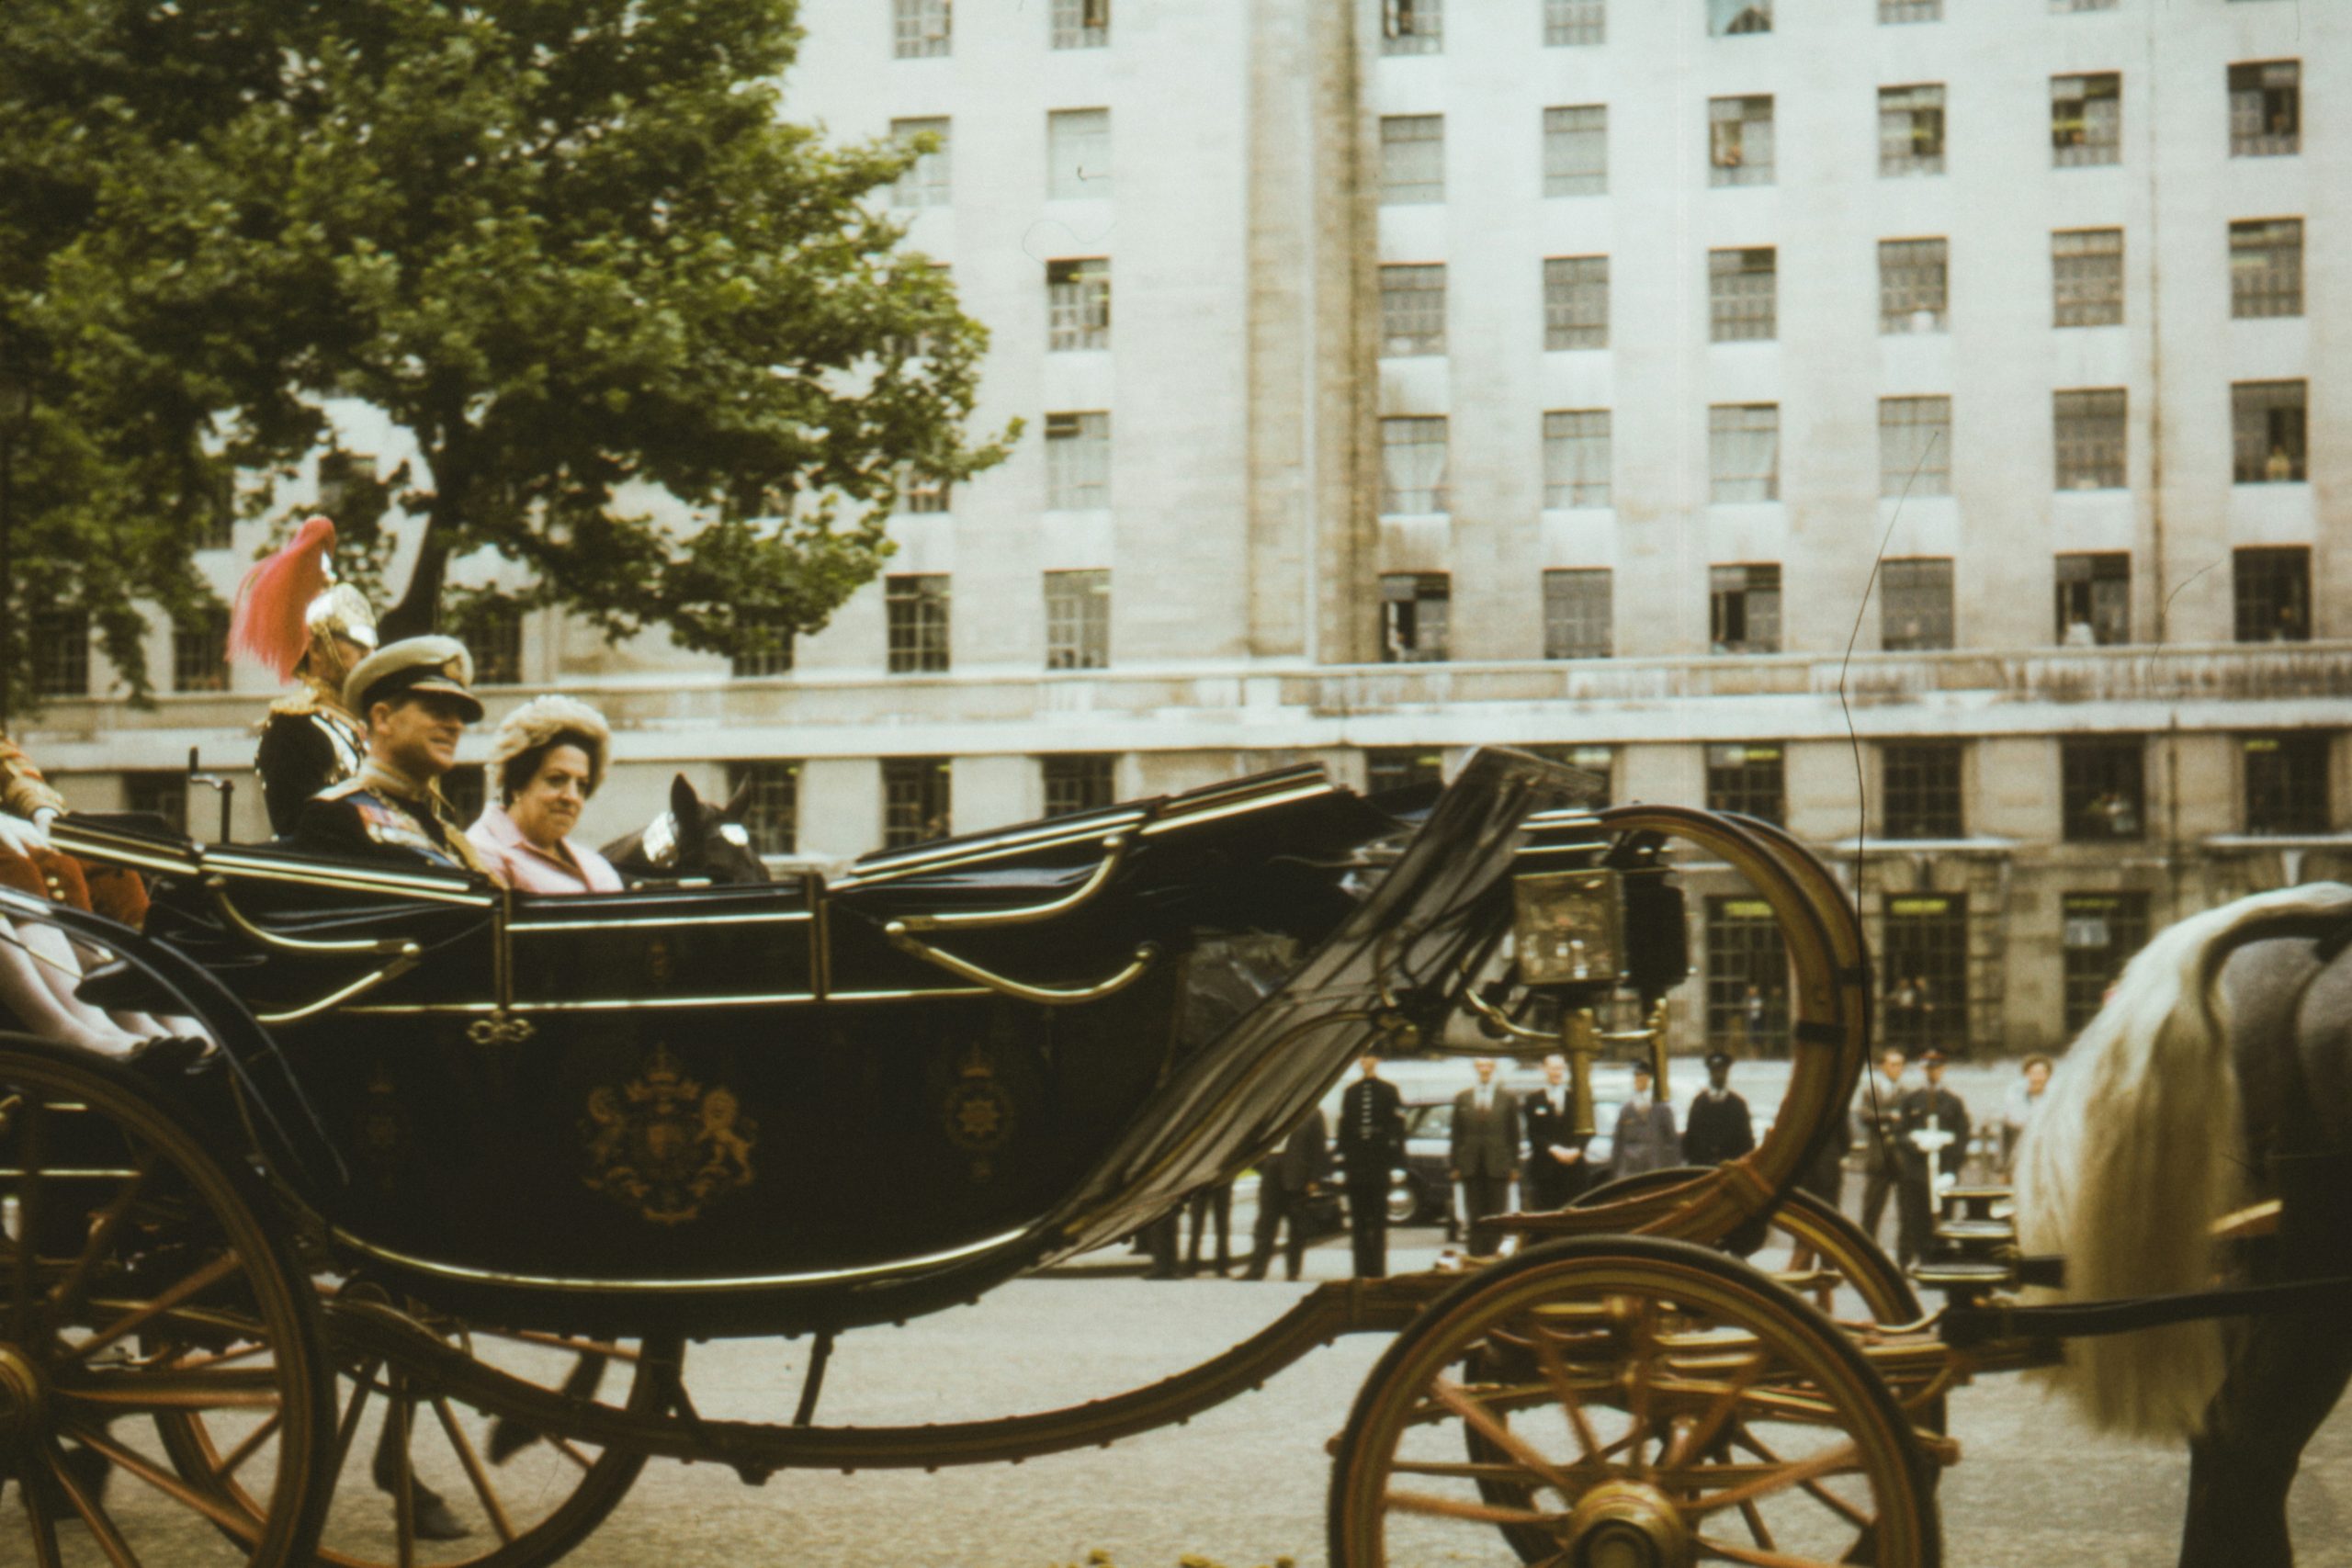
[571, 247]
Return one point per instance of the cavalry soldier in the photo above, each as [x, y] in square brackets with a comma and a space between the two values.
[26, 799]
[416, 701]
[295, 619]
[1372, 1143]
[1935, 1143]
[1720, 1127]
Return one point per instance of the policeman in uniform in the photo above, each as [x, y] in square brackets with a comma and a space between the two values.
[1934, 1143]
[1720, 1128]
[415, 703]
[1371, 1144]
[293, 617]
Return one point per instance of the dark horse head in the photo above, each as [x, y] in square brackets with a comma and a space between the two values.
[692, 841]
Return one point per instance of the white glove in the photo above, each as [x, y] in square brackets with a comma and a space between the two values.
[24, 837]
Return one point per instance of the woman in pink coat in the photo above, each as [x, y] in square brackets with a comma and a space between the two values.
[546, 759]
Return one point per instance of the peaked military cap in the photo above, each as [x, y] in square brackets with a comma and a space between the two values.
[412, 666]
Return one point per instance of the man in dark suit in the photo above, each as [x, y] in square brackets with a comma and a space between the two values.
[1878, 1117]
[1720, 1127]
[1934, 1142]
[1555, 1168]
[1284, 1184]
[1484, 1156]
[1371, 1144]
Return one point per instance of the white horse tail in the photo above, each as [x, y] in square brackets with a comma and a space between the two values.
[2136, 1151]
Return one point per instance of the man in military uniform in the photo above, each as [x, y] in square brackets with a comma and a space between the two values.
[1555, 1168]
[1372, 1143]
[295, 619]
[1720, 1127]
[417, 703]
[27, 801]
[1878, 1127]
[1934, 1143]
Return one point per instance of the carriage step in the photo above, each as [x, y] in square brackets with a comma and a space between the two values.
[1977, 1202]
[1976, 1235]
[1962, 1276]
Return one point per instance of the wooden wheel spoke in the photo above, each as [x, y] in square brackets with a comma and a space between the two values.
[348, 1427]
[397, 1414]
[1712, 1549]
[475, 1472]
[44, 1528]
[204, 1278]
[1555, 1372]
[1461, 1508]
[68, 1290]
[1757, 1530]
[123, 1392]
[93, 1518]
[236, 1459]
[31, 1120]
[241, 1525]
[1829, 1461]
[562, 1342]
[571, 1451]
[1813, 1489]
[1488, 1426]
[1469, 1469]
[1703, 1432]
[1642, 1337]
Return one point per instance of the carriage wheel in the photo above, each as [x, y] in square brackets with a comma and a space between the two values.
[524, 1498]
[139, 1280]
[1652, 1403]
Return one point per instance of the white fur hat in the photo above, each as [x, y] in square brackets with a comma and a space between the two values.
[539, 722]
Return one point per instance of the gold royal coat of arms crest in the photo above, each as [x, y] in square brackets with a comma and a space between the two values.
[665, 1145]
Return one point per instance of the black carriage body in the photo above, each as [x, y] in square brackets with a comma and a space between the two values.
[801, 1105]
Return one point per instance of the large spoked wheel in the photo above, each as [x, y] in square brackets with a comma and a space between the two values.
[1650, 1404]
[141, 1281]
[413, 1459]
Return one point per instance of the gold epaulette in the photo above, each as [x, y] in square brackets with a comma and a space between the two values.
[297, 705]
[337, 791]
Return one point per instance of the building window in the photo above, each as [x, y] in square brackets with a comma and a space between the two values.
[1912, 275]
[61, 641]
[1747, 977]
[1578, 613]
[2286, 783]
[1412, 27]
[2272, 588]
[1415, 607]
[1412, 464]
[1077, 620]
[773, 656]
[2086, 121]
[1077, 154]
[1591, 788]
[917, 608]
[2086, 277]
[1077, 461]
[1727, 18]
[215, 509]
[921, 28]
[1739, 142]
[1744, 452]
[1892, 11]
[2266, 268]
[1744, 609]
[918, 800]
[163, 793]
[1742, 294]
[2102, 788]
[920, 492]
[2267, 432]
[1925, 959]
[1573, 23]
[1911, 130]
[2100, 933]
[1748, 779]
[1079, 783]
[1389, 768]
[1576, 150]
[2094, 599]
[493, 632]
[1412, 157]
[1081, 24]
[1575, 457]
[1921, 789]
[1576, 302]
[1412, 310]
[925, 182]
[200, 651]
[345, 481]
[2265, 108]
[1915, 606]
[2089, 431]
[1915, 446]
[1078, 303]
[772, 809]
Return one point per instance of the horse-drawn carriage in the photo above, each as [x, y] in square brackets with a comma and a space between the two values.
[345, 1166]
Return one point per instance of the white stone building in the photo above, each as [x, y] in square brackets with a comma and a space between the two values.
[1400, 376]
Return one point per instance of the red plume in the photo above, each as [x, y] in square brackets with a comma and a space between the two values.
[268, 626]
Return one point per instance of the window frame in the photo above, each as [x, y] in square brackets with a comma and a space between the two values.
[1751, 777]
[2081, 136]
[1078, 304]
[1725, 424]
[1925, 468]
[2103, 611]
[1896, 285]
[1412, 145]
[918, 615]
[1077, 618]
[1416, 617]
[1740, 142]
[2271, 593]
[1743, 598]
[1575, 303]
[1743, 294]
[768, 778]
[2087, 281]
[2266, 268]
[1570, 129]
[1579, 612]
[1903, 126]
[1078, 460]
[2081, 458]
[1916, 613]
[1567, 483]
[918, 800]
[2103, 789]
[1412, 310]
[1921, 790]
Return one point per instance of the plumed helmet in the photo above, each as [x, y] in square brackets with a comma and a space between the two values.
[542, 720]
[290, 600]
